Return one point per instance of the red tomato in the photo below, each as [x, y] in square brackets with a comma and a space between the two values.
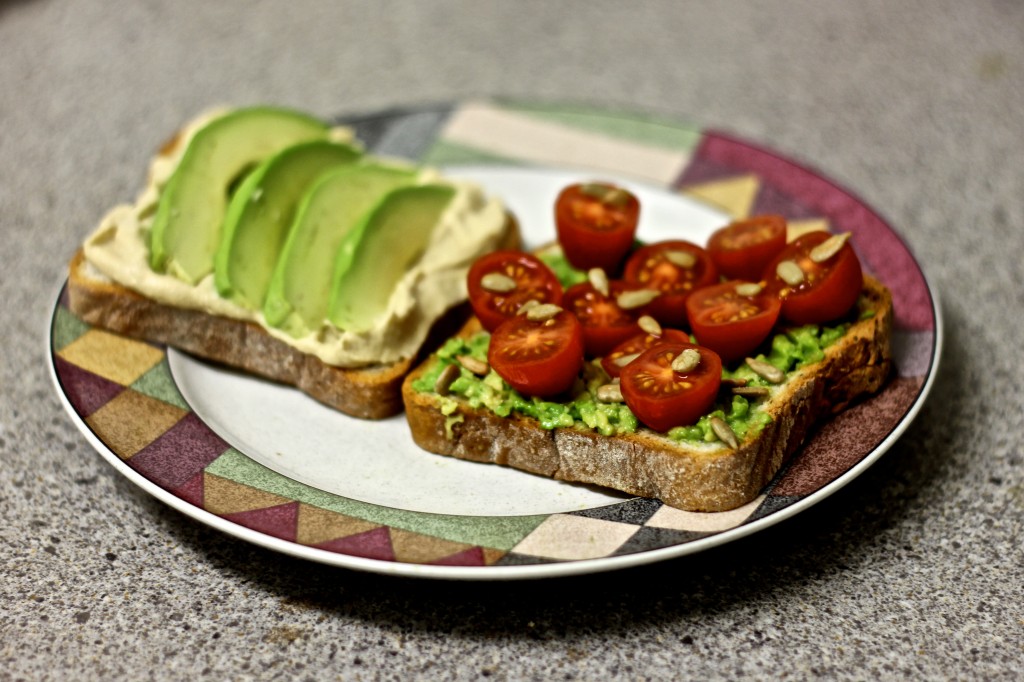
[596, 223]
[663, 398]
[743, 249]
[605, 324]
[533, 281]
[638, 344]
[729, 322]
[675, 268]
[830, 286]
[540, 358]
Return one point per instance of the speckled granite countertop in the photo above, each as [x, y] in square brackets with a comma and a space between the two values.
[915, 569]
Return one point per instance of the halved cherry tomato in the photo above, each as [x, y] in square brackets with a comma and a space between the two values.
[539, 358]
[638, 344]
[663, 398]
[732, 318]
[742, 249]
[675, 268]
[605, 324]
[829, 287]
[596, 223]
[532, 280]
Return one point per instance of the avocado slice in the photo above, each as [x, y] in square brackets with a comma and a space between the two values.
[380, 251]
[299, 292]
[261, 212]
[186, 229]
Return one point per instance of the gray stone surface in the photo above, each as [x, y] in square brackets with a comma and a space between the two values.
[915, 569]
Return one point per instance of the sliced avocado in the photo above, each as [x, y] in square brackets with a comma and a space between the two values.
[299, 291]
[186, 229]
[261, 212]
[390, 240]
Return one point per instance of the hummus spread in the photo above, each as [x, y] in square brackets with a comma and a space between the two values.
[471, 225]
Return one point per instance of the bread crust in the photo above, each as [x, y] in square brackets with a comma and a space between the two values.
[693, 477]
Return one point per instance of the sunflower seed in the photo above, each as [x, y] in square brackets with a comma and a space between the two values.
[444, 381]
[828, 248]
[649, 325]
[748, 289]
[497, 283]
[542, 312]
[527, 306]
[790, 273]
[636, 298]
[766, 371]
[683, 259]
[733, 383]
[599, 280]
[751, 391]
[624, 360]
[686, 361]
[609, 393]
[477, 367]
[724, 432]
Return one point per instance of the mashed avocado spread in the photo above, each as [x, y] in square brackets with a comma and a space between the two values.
[789, 350]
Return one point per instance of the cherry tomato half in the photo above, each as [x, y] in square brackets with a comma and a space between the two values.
[538, 358]
[732, 318]
[663, 398]
[596, 223]
[605, 324]
[675, 268]
[828, 287]
[638, 344]
[744, 248]
[529, 277]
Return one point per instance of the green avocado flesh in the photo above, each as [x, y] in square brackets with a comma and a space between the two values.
[380, 250]
[299, 292]
[187, 227]
[261, 212]
[788, 350]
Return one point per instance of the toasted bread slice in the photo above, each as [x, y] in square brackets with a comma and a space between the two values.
[370, 392]
[690, 476]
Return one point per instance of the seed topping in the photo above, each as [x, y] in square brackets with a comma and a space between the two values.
[748, 289]
[768, 372]
[624, 360]
[649, 325]
[830, 247]
[751, 391]
[599, 280]
[497, 283]
[790, 273]
[543, 312]
[683, 259]
[610, 393]
[477, 367]
[724, 432]
[686, 361]
[444, 381]
[636, 298]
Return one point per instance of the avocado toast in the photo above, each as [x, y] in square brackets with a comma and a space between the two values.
[251, 246]
[701, 419]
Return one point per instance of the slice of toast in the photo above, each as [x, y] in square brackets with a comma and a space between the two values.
[689, 476]
[369, 392]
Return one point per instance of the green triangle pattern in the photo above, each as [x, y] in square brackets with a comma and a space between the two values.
[495, 532]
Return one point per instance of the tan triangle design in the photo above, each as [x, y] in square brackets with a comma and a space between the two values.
[420, 549]
[796, 228]
[733, 195]
[316, 525]
[221, 496]
[491, 556]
